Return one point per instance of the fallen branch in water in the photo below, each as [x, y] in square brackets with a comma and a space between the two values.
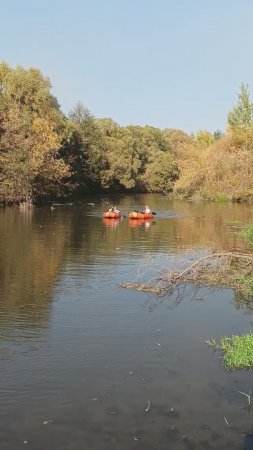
[232, 269]
[212, 256]
[143, 287]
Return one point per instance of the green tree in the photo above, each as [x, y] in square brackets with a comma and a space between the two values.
[161, 173]
[242, 113]
[83, 149]
[218, 134]
[204, 138]
[147, 142]
[122, 160]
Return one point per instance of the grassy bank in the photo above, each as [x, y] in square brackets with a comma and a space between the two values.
[237, 351]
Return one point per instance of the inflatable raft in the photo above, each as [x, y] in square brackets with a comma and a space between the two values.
[111, 215]
[140, 215]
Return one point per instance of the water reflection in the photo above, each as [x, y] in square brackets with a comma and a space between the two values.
[82, 358]
[111, 223]
[135, 223]
[31, 252]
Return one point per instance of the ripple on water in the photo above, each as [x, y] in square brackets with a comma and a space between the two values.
[81, 358]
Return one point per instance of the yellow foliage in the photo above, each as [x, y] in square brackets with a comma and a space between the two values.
[46, 143]
[223, 168]
[191, 164]
[204, 138]
[30, 136]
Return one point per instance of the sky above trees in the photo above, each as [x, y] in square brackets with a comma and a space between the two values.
[170, 64]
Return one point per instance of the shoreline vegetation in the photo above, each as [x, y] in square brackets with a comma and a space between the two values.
[237, 351]
[46, 154]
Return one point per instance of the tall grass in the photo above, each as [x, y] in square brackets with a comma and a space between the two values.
[247, 234]
[237, 351]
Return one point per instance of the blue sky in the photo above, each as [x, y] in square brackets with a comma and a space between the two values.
[166, 63]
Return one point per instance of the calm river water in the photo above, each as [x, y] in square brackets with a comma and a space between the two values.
[86, 364]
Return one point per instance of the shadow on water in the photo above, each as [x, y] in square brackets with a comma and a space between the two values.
[86, 364]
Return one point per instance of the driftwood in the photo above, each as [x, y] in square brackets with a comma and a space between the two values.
[143, 287]
[218, 268]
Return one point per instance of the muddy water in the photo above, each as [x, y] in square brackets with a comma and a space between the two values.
[85, 364]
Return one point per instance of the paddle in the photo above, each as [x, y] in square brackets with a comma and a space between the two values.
[152, 212]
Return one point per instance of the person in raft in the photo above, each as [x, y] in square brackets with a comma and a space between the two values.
[147, 210]
[114, 209]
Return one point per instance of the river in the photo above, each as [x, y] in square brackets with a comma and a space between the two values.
[86, 364]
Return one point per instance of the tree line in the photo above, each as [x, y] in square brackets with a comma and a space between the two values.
[44, 153]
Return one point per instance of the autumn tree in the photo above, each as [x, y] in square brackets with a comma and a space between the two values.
[30, 135]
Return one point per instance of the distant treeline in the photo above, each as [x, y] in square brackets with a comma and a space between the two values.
[44, 153]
